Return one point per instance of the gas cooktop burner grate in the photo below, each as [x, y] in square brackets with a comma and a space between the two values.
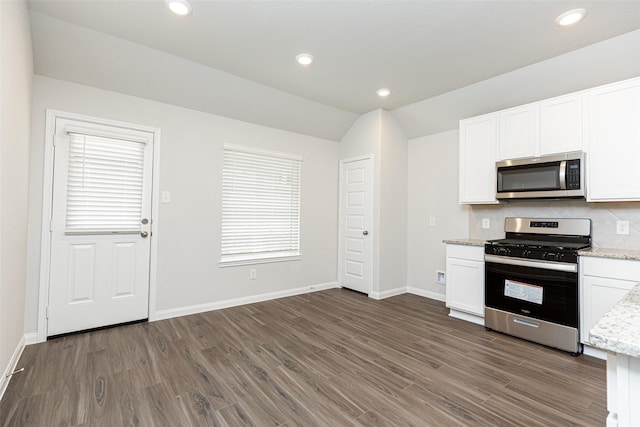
[528, 238]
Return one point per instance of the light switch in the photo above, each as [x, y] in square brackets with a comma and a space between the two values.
[165, 197]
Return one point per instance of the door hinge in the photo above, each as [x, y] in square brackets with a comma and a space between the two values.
[50, 225]
[46, 312]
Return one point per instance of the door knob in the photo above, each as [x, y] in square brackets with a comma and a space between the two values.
[365, 233]
[144, 234]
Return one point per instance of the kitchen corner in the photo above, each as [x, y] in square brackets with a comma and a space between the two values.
[609, 313]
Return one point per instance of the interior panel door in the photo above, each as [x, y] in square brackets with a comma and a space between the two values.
[355, 223]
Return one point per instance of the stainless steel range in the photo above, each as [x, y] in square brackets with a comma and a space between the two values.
[531, 280]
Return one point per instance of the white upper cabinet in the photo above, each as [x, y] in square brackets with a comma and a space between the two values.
[551, 126]
[561, 124]
[477, 159]
[518, 132]
[603, 121]
[613, 136]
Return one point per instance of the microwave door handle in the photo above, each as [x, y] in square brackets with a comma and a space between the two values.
[563, 175]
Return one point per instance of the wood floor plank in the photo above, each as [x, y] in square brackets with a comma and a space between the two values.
[161, 407]
[334, 357]
[199, 410]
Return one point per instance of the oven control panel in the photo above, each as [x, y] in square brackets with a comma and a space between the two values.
[543, 224]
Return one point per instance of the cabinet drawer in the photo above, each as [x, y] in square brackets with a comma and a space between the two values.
[611, 268]
[471, 253]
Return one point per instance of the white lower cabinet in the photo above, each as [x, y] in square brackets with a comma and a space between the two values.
[465, 281]
[603, 282]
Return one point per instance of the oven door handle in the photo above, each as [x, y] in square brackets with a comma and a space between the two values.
[549, 265]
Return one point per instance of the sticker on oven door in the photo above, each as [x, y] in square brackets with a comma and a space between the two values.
[523, 291]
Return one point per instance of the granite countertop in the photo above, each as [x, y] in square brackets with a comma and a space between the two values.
[631, 254]
[465, 242]
[619, 330]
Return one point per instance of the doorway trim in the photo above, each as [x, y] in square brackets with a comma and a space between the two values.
[47, 199]
[372, 228]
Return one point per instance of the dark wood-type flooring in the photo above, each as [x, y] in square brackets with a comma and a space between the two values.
[331, 358]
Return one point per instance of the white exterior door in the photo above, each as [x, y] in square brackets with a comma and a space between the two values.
[100, 226]
[355, 225]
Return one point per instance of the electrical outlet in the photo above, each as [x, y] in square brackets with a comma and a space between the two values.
[440, 277]
[252, 274]
[486, 223]
[165, 196]
[622, 227]
[432, 221]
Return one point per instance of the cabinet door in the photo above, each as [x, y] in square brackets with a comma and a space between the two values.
[614, 142]
[465, 285]
[518, 132]
[561, 124]
[477, 156]
[600, 295]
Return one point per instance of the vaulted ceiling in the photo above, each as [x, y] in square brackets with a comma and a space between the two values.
[419, 49]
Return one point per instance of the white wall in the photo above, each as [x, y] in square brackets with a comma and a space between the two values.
[433, 192]
[189, 227]
[378, 133]
[393, 205]
[16, 72]
[363, 138]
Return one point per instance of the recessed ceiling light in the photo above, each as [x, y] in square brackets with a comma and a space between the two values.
[383, 92]
[179, 7]
[304, 59]
[571, 17]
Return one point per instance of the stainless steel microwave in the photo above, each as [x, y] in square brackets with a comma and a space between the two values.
[554, 176]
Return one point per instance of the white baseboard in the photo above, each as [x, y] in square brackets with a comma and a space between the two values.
[13, 362]
[31, 338]
[427, 294]
[466, 316]
[201, 308]
[389, 293]
[595, 352]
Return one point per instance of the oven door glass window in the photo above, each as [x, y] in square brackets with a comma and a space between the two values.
[535, 292]
[542, 177]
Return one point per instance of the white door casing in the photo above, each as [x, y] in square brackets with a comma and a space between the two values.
[355, 234]
[96, 277]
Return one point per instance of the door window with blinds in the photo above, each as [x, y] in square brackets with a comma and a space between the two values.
[105, 183]
[260, 206]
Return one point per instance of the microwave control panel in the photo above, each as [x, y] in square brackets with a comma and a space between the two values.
[573, 174]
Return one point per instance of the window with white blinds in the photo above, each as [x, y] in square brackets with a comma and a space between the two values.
[105, 185]
[260, 206]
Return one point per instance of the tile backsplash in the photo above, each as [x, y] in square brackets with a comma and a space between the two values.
[603, 219]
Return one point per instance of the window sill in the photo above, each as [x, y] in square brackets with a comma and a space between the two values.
[256, 259]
